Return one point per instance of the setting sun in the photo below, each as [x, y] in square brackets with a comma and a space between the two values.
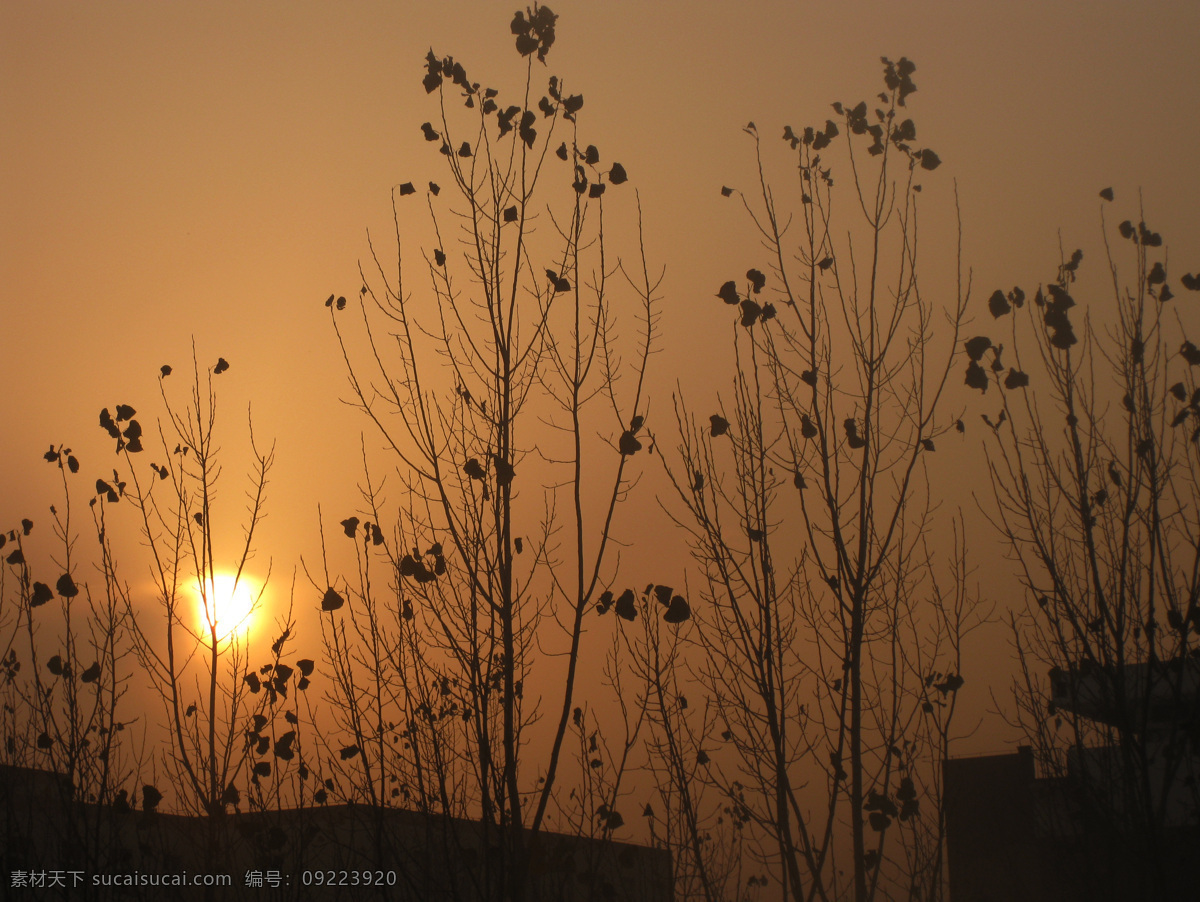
[228, 605]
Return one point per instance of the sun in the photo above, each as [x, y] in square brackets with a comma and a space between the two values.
[228, 605]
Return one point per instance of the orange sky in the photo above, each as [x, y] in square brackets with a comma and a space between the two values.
[174, 171]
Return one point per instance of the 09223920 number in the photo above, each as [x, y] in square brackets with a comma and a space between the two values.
[348, 878]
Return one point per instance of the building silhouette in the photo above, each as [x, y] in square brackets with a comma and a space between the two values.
[55, 846]
[1116, 819]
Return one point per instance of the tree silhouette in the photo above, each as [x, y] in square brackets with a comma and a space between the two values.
[69, 716]
[827, 647]
[512, 419]
[1094, 466]
[224, 749]
[66, 668]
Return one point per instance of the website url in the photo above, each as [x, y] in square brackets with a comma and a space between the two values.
[182, 879]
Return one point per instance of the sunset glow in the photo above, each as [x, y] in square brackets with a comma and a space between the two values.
[693, 452]
[229, 605]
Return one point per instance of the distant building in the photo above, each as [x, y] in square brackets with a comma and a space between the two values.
[1083, 831]
[290, 854]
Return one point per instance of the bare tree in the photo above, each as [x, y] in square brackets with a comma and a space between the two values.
[701, 823]
[1094, 468]
[506, 407]
[195, 654]
[70, 714]
[827, 632]
[66, 671]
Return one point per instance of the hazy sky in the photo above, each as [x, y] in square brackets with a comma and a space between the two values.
[171, 171]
